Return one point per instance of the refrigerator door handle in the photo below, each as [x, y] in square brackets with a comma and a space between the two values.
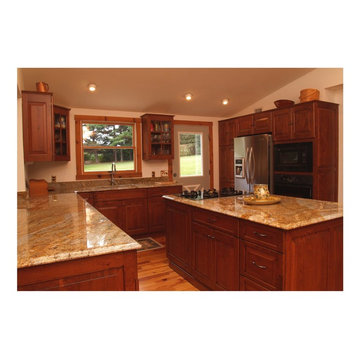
[246, 166]
[252, 164]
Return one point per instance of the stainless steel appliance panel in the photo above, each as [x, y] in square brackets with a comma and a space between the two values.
[256, 154]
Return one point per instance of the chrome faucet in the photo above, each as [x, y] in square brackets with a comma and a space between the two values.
[112, 173]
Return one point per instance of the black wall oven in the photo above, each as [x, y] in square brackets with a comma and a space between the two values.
[293, 157]
[293, 185]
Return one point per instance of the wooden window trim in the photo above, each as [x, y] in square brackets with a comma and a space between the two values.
[79, 120]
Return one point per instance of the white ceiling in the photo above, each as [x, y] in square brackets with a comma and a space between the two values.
[162, 90]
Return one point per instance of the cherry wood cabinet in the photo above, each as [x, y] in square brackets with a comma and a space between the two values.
[136, 211]
[226, 166]
[157, 136]
[220, 252]
[178, 236]
[61, 133]
[134, 216]
[111, 272]
[227, 130]
[303, 121]
[156, 207]
[46, 129]
[244, 125]
[313, 121]
[37, 113]
[125, 208]
[263, 122]
[282, 124]
[294, 123]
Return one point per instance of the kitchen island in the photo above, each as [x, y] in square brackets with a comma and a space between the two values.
[66, 244]
[223, 244]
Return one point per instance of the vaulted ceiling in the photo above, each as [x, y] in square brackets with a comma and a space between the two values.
[162, 90]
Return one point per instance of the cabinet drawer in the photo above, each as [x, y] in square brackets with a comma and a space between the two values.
[262, 235]
[166, 190]
[120, 194]
[250, 285]
[261, 263]
[218, 221]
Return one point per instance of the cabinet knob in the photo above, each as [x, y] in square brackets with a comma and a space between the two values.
[211, 237]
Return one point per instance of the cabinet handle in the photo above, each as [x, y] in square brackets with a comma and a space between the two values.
[259, 234]
[259, 266]
[211, 237]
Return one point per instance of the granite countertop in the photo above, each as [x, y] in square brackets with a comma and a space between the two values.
[104, 185]
[125, 186]
[290, 213]
[64, 227]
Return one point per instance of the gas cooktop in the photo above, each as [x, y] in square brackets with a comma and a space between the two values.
[209, 194]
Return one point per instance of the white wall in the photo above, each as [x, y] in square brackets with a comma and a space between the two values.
[66, 170]
[330, 84]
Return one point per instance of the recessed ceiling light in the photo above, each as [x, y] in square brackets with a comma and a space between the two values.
[188, 97]
[225, 101]
[92, 87]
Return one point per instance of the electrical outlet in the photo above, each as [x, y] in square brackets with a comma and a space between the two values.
[53, 178]
[163, 173]
[153, 173]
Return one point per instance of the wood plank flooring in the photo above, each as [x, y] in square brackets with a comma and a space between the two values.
[155, 274]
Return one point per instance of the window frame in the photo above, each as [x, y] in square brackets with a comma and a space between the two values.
[90, 119]
[202, 153]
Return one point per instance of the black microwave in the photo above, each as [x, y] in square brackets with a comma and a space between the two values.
[293, 157]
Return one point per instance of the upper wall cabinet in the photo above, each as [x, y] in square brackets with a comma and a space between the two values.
[37, 126]
[61, 133]
[45, 128]
[294, 123]
[257, 123]
[157, 136]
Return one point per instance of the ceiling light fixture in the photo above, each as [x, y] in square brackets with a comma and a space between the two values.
[92, 87]
[225, 101]
[188, 97]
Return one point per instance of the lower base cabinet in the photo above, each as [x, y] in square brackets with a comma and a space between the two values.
[178, 245]
[136, 211]
[215, 257]
[111, 272]
[221, 252]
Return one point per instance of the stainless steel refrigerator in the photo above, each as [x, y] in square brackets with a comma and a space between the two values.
[253, 162]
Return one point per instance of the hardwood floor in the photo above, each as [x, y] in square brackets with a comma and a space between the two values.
[155, 274]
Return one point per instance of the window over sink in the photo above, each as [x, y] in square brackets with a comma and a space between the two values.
[101, 141]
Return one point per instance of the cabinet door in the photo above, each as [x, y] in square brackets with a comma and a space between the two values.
[203, 254]
[110, 209]
[227, 132]
[61, 134]
[156, 208]
[226, 166]
[282, 124]
[263, 122]
[303, 122]
[135, 216]
[226, 261]
[244, 125]
[178, 234]
[37, 126]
